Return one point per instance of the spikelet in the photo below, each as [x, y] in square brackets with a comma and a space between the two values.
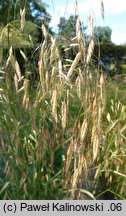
[22, 181]
[42, 63]
[108, 117]
[80, 38]
[41, 71]
[44, 31]
[17, 75]
[78, 30]
[78, 85]
[14, 63]
[23, 55]
[95, 146]
[90, 24]
[22, 21]
[31, 41]
[94, 119]
[90, 51]
[47, 79]
[82, 165]
[97, 171]
[83, 130]
[68, 94]
[102, 80]
[25, 189]
[76, 7]
[75, 178]
[11, 60]
[17, 69]
[102, 8]
[68, 161]
[53, 77]
[90, 76]
[100, 112]
[102, 102]
[16, 82]
[25, 102]
[54, 104]
[53, 49]
[64, 114]
[60, 68]
[74, 64]
[102, 84]
[7, 167]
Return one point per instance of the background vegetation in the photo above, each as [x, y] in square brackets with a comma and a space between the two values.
[62, 108]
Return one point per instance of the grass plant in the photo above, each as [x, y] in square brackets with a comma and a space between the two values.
[64, 138]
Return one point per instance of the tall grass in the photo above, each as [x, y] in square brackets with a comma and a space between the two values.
[66, 137]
